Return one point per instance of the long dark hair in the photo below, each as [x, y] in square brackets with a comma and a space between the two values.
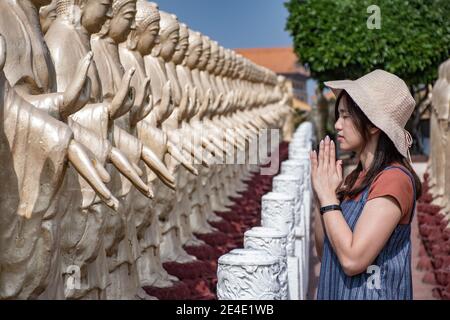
[385, 154]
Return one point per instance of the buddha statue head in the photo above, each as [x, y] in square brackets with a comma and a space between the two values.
[232, 67]
[169, 29]
[227, 63]
[220, 61]
[89, 14]
[195, 48]
[122, 22]
[242, 65]
[206, 52]
[47, 15]
[235, 66]
[144, 37]
[182, 46]
[213, 57]
[40, 3]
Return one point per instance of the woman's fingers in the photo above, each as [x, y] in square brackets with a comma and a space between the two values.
[332, 161]
[326, 155]
[321, 155]
[339, 169]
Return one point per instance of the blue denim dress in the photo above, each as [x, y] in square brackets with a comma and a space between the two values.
[393, 264]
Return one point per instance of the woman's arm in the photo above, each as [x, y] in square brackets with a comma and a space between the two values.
[319, 233]
[357, 250]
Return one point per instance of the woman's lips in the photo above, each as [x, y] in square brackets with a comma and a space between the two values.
[340, 138]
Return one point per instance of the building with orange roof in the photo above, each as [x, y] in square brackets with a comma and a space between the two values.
[284, 62]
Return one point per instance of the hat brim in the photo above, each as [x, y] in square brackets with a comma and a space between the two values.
[368, 105]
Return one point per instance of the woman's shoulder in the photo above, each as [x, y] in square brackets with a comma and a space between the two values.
[394, 170]
[395, 175]
[394, 181]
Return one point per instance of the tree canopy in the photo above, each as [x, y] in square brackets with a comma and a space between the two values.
[332, 38]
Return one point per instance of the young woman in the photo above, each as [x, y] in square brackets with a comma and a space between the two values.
[364, 225]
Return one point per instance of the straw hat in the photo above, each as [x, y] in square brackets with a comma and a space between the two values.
[385, 100]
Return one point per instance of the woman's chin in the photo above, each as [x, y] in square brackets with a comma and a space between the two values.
[344, 147]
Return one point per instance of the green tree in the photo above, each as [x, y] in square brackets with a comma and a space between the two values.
[332, 39]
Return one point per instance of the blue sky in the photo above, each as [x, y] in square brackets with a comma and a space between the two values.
[237, 23]
[234, 23]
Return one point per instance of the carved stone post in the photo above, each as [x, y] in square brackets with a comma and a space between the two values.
[248, 274]
[273, 242]
[290, 184]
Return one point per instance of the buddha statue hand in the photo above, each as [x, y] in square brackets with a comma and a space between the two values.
[158, 167]
[186, 145]
[79, 90]
[124, 98]
[285, 99]
[217, 102]
[166, 99]
[193, 100]
[205, 105]
[90, 170]
[261, 98]
[144, 103]
[228, 101]
[253, 99]
[178, 156]
[121, 162]
[184, 103]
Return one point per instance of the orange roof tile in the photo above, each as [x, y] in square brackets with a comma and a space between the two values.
[279, 60]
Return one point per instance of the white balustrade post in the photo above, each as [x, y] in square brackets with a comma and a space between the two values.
[272, 241]
[248, 274]
[277, 211]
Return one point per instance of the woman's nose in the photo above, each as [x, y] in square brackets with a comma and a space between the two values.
[338, 124]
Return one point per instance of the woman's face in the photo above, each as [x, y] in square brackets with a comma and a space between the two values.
[348, 136]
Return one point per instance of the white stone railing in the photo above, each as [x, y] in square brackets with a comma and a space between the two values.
[285, 219]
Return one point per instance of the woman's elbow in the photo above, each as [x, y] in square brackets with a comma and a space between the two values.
[352, 267]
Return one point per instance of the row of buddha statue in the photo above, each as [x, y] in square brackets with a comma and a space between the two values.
[114, 119]
[438, 167]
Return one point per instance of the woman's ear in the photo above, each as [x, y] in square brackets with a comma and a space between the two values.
[374, 130]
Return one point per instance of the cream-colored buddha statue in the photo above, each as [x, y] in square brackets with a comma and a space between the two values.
[36, 150]
[214, 175]
[122, 261]
[140, 43]
[156, 66]
[29, 67]
[186, 180]
[440, 119]
[31, 71]
[77, 20]
[201, 207]
[184, 66]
